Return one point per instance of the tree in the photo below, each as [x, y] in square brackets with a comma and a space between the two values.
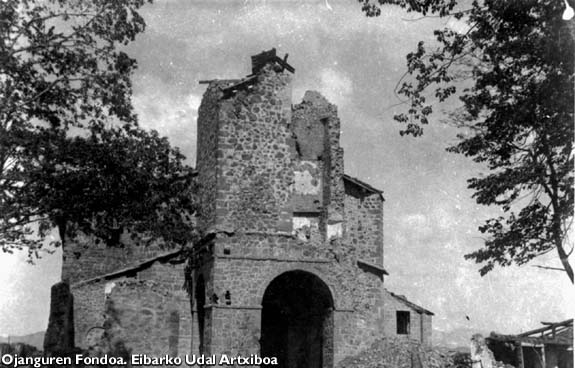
[516, 116]
[72, 155]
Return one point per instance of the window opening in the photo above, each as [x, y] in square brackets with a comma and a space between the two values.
[402, 322]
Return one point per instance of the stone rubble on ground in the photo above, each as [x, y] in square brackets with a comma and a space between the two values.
[403, 353]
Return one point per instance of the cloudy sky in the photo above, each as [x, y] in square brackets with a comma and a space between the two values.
[430, 219]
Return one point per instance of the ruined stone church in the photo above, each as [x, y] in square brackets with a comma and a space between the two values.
[290, 259]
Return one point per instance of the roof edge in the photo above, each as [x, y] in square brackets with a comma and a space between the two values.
[378, 270]
[164, 257]
[364, 185]
[410, 304]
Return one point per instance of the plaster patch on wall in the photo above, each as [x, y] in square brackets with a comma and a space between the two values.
[109, 287]
[334, 230]
[300, 221]
[303, 224]
[307, 180]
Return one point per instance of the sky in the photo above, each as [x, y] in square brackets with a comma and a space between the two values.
[430, 219]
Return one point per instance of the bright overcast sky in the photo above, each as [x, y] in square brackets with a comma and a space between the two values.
[430, 219]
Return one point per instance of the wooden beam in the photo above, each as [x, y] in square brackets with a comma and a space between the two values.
[520, 357]
[547, 328]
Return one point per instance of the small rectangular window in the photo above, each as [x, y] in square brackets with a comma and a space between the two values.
[402, 322]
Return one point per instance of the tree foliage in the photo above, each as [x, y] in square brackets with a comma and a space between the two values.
[516, 115]
[71, 152]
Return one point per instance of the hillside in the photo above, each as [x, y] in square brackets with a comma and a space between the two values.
[36, 339]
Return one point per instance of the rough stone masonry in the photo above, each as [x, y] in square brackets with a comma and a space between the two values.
[290, 261]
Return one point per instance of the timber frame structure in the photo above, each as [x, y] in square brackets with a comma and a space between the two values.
[550, 346]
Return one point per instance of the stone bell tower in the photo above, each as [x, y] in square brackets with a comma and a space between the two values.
[276, 272]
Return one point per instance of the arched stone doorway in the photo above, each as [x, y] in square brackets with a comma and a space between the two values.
[297, 321]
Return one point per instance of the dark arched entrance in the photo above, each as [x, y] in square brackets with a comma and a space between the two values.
[297, 321]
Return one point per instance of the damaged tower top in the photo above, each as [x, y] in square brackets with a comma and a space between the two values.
[261, 59]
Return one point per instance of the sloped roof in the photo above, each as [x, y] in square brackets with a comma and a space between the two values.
[363, 185]
[413, 306]
[378, 270]
[133, 269]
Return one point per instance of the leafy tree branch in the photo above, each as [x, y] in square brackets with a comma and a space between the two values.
[512, 69]
[72, 155]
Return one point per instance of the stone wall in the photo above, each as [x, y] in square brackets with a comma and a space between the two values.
[426, 329]
[359, 326]
[148, 318]
[89, 307]
[91, 267]
[144, 305]
[249, 135]
[86, 257]
[207, 158]
[364, 222]
[240, 283]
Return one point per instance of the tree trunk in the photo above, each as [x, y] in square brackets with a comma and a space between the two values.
[564, 259]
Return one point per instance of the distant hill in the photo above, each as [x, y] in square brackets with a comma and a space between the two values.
[36, 339]
[457, 339]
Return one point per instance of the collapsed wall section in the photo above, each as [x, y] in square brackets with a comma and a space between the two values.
[318, 196]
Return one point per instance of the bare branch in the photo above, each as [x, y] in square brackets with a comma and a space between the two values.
[549, 268]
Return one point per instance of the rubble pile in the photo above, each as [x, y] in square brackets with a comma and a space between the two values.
[400, 353]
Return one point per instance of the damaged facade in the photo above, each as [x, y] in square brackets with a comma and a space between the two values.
[290, 262]
[550, 346]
